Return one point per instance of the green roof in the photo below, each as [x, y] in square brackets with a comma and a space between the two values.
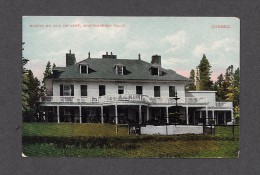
[104, 69]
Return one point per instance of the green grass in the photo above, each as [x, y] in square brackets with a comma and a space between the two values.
[72, 129]
[96, 140]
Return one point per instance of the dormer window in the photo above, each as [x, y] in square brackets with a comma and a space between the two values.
[120, 69]
[83, 68]
[155, 69]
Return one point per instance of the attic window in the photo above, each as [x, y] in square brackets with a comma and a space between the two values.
[119, 69]
[83, 68]
[154, 71]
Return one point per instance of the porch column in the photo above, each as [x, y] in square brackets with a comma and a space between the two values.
[116, 114]
[147, 112]
[207, 116]
[187, 115]
[213, 115]
[102, 115]
[167, 114]
[200, 114]
[80, 115]
[232, 117]
[225, 118]
[194, 117]
[217, 117]
[58, 114]
[140, 113]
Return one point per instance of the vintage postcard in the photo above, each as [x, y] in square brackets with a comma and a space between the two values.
[130, 87]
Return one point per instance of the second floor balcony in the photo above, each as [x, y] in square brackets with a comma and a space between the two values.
[123, 98]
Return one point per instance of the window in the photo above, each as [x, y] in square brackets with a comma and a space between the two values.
[83, 69]
[66, 90]
[120, 89]
[154, 71]
[157, 92]
[171, 91]
[139, 90]
[120, 70]
[102, 90]
[84, 90]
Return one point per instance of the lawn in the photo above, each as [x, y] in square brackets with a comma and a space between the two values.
[97, 140]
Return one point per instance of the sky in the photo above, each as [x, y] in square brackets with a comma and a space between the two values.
[181, 41]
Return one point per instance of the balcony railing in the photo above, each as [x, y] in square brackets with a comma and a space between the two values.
[196, 100]
[124, 98]
[224, 104]
[69, 99]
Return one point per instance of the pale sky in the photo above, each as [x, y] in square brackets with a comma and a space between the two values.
[181, 41]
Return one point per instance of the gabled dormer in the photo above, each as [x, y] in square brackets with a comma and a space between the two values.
[155, 69]
[84, 68]
[120, 69]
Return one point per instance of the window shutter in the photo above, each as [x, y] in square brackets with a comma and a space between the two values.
[61, 90]
[72, 89]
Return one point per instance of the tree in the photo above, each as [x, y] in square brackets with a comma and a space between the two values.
[192, 77]
[48, 70]
[205, 73]
[219, 87]
[53, 65]
[25, 96]
[34, 92]
[46, 73]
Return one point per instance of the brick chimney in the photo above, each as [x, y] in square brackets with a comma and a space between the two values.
[111, 56]
[70, 59]
[156, 59]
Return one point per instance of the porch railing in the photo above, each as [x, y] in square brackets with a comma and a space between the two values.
[69, 99]
[224, 104]
[124, 98]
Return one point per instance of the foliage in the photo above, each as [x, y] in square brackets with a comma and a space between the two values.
[31, 92]
[48, 70]
[192, 77]
[47, 73]
[228, 88]
[25, 82]
[205, 74]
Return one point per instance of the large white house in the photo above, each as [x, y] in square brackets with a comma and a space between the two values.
[115, 90]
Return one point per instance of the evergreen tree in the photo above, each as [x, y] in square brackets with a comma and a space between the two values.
[53, 65]
[219, 87]
[237, 86]
[205, 73]
[25, 96]
[48, 70]
[34, 92]
[192, 77]
[46, 73]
